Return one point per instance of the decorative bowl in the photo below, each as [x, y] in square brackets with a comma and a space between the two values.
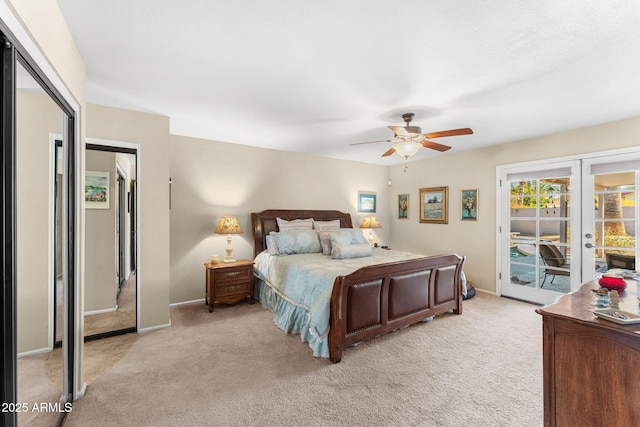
[613, 283]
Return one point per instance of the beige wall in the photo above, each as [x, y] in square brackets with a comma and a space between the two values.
[151, 132]
[477, 169]
[48, 27]
[211, 179]
[100, 242]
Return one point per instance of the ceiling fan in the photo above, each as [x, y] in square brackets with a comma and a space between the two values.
[409, 139]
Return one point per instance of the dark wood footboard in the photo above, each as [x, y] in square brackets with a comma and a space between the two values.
[382, 298]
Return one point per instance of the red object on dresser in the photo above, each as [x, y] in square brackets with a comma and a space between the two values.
[613, 283]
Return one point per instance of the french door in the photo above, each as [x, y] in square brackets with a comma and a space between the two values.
[539, 234]
[563, 223]
[610, 213]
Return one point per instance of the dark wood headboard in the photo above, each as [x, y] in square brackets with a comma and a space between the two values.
[264, 222]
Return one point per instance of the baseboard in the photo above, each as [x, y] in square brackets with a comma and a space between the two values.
[80, 394]
[154, 328]
[195, 301]
[104, 310]
[34, 352]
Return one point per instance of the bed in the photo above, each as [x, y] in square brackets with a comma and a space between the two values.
[368, 297]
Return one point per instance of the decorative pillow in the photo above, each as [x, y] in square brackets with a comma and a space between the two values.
[326, 225]
[351, 251]
[339, 238]
[297, 242]
[357, 238]
[325, 242]
[271, 245]
[296, 224]
[343, 236]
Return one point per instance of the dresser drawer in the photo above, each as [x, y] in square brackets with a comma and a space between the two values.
[225, 275]
[232, 288]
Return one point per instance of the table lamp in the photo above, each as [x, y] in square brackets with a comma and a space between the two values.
[370, 222]
[228, 225]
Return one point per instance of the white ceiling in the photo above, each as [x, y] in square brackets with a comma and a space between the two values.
[315, 76]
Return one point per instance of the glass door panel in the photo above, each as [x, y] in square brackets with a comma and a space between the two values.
[538, 224]
[611, 215]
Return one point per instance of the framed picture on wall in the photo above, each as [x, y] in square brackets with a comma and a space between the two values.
[367, 201]
[434, 205]
[96, 190]
[469, 205]
[403, 206]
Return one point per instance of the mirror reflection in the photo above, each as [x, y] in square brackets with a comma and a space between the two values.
[110, 261]
[39, 142]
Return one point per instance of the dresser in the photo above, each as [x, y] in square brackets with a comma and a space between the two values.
[591, 365]
[228, 282]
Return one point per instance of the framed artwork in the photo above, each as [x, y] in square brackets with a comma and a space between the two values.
[434, 205]
[367, 201]
[469, 205]
[403, 206]
[96, 190]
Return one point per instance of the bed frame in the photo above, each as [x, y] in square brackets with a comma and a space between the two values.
[380, 298]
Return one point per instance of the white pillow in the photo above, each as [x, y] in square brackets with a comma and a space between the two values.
[296, 224]
[326, 225]
[351, 251]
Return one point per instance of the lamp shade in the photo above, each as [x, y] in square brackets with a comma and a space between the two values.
[228, 225]
[407, 149]
[370, 222]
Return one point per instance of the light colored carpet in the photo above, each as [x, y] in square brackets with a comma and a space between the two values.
[233, 367]
[123, 317]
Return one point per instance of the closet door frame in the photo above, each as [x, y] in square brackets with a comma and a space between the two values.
[18, 45]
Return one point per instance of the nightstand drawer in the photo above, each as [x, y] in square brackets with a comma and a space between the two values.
[232, 289]
[233, 274]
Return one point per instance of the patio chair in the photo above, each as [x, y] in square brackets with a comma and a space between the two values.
[553, 259]
[627, 262]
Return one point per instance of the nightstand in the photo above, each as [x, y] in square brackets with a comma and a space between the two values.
[228, 282]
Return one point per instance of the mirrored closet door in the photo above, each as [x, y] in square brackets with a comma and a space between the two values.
[37, 127]
[110, 255]
[40, 283]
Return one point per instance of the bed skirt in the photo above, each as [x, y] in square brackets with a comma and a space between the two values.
[291, 318]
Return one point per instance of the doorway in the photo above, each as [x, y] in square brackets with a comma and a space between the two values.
[559, 221]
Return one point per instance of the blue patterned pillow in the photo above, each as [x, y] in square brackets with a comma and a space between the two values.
[341, 237]
[351, 251]
[297, 242]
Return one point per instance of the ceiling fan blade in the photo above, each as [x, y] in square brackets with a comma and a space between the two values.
[371, 142]
[389, 152]
[435, 146]
[399, 130]
[452, 132]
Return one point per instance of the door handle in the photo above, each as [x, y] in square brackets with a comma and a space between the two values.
[588, 236]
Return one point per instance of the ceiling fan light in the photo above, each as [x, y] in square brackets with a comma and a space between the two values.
[407, 149]
[413, 130]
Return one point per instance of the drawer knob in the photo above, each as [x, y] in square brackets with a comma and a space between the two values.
[232, 288]
[233, 274]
